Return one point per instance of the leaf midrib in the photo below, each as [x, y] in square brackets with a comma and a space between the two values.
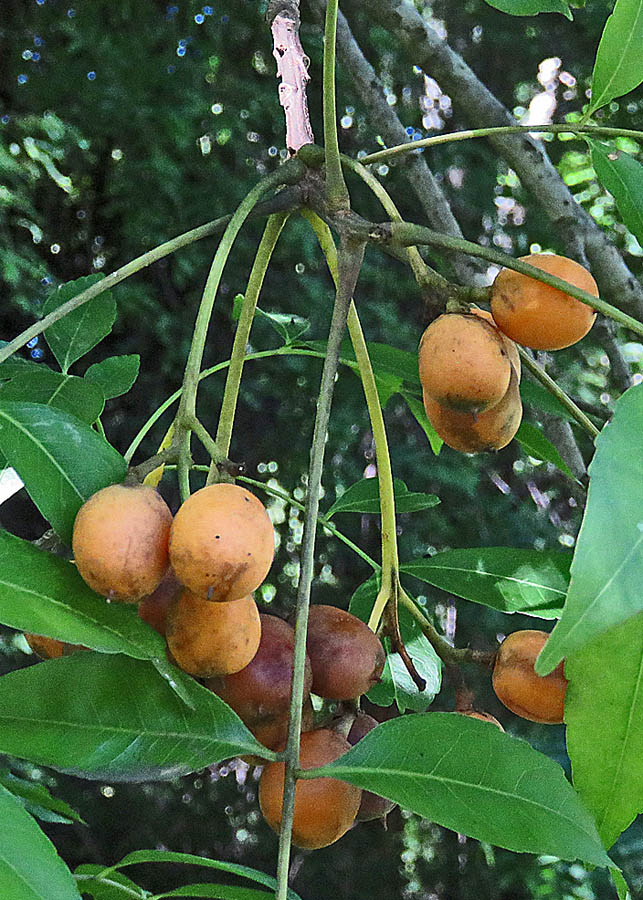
[409, 571]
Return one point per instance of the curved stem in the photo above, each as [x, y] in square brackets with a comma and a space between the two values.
[350, 260]
[406, 234]
[335, 185]
[498, 130]
[547, 381]
[271, 234]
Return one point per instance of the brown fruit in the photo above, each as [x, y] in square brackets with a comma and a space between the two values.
[261, 690]
[537, 315]
[483, 716]
[209, 639]
[120, 541]
[51, 648]
[463, 363]
[509, 345]
[372, 805]
[347, 658]
[325, 808]
[222, 542]
[273, 733]
[154, 608]
[490, 430]
[531, 696]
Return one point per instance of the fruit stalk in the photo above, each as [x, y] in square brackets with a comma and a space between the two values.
[350, 261]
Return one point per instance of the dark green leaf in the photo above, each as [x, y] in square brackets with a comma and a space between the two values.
[67, 392]
[115, 375]
[218, 892]
[619, 65]
[16, 365]
[505, 578]
[387, 387]
[605, 587]
[364, 497]
[44, 594]
[622, 176]
[469, 776]
[396, 685]
[74, 335]
[535, 444]
[169, 856]
[103, 716]
[38, 800]
[30, 868]
[289, 326]
[537, 396]
[113, 886]
[386, 360]
[532, 7]
[61, 460]
[606, 686]
[417, 408]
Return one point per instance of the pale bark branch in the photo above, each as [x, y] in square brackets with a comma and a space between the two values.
[292, 69]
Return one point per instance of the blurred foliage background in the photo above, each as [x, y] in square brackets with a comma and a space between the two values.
[123, 124]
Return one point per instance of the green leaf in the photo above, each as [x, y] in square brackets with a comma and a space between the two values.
[16, 365]
[169, 856]
[364, 497]
[45, 594]
[115, 375]
[74, 335]
[396, 685]
[622, 176]
[504, 578]
[385, 360]
[605, 587]
[61, 460]
[537, 396]
[103, 716]
[417, 408]
[30, 868]
[387, 386]
[67, 392]
[469, 776]
[113, 886]
[38, 800]
[289, 326]
[619, 66]
[620, 884]
[606, 686]
[532, 7]
[535, 444]
[218, 892]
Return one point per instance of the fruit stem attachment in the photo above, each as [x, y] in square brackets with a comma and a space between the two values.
[336, 190]
[350, 261]
[564, 399]
[271, 234]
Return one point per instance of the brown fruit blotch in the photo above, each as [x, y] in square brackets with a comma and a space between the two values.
[325, 808]
[531, 696]
[347, 658]
[120, 541]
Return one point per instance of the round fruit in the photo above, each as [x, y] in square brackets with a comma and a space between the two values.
[509, 345]
[540, 316]
[222, 542]
[483, 716]
[325, 808]
[490, 430]
[463, 363]
[120, 541]
[207, 639]
[531, 696]
[372, 806]
[51, 648]
[261, 690]
[273, 733]
[154, 608]
[347, 658]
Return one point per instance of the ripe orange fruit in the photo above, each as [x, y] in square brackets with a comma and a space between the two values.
[120, 541]
[325, 808]
[154, 608]
[537, 315]
[51, 648]
[490, 430]
[531, 696]
[463, 363]
[509, 345]
[372, 806]
[207, 639]
[222, 542]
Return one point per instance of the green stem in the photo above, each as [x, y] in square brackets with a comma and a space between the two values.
[110, 281]
[548, 382]
[498, 131]
[406, 234]
[350, 260]
[271, 234]
[336, 189]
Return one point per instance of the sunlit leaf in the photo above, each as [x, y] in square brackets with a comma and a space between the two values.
[619, 64]
[67, 392]
[75, 334]
[532, 7]
[622, 176]
[114, 375]
[364, 497]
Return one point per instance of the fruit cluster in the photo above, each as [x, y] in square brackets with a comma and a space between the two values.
[193, 576]
[469, 363]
